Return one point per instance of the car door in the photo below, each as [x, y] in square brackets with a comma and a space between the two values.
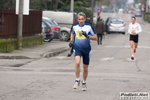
[106, 24]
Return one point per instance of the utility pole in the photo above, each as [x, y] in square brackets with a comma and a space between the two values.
[72, 6]
[20, 24]
[92, 10]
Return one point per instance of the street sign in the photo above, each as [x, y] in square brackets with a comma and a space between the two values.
[25, 7]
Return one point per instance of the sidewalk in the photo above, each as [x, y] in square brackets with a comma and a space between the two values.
[48, 49]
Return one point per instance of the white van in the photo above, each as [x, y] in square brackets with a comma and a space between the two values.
[64, 19]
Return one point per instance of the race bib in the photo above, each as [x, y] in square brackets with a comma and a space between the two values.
[79, 35]
[133, 31]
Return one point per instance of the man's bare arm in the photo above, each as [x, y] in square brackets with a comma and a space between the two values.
[72, 37]
[94, 37]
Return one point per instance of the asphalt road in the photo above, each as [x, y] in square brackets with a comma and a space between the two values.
[110, 72]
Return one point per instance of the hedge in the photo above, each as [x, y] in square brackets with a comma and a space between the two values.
[11, 44]
[147, 16]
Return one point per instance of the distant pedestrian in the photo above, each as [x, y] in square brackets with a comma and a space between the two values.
[134, 29]
[88, 20]
[98, 12]
[98, 18]
[100, 29]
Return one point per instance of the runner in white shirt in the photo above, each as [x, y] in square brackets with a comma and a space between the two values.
[134, 29]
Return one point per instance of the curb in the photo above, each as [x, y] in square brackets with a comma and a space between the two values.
[51, 54]
[45, 55]
[14, 57]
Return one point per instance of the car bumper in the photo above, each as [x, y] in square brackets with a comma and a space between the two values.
[112, 29]
[56, 34]
[138, 15]
[48, 36]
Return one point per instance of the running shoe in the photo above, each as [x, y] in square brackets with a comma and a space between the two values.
[132, 57]
[76, 85]
[84, 87]
[134, 50]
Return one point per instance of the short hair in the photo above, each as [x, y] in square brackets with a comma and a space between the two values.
[133, 17]
[82, 14]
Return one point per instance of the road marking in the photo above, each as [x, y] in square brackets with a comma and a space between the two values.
[106, 59]
[144, 47]
[117, 46]
[114, 14]
[60, 57]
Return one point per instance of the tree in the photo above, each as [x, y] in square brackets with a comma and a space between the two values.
[7, 4]
[54, 4]
[64, 5]
[2, 4]
[44, 4]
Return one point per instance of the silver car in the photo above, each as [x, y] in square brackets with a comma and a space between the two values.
[116, 25]
[138, 13]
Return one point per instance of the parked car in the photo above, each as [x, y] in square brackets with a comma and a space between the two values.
[54, 25]
[64, 19]
[46, 32]
[138, 13]
[115, 25]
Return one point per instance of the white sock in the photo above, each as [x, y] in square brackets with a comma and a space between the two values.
[83, 81]
[132, 55]
[77, 79]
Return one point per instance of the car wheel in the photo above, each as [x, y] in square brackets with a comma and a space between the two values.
[48, 40]
[64, 36]
[51, 39]
[108, 32]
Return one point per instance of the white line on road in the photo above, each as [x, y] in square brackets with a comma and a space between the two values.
[60, 57]
[144, 47]
[109, 58]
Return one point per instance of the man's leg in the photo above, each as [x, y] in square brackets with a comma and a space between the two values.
[85, 72]
[136, 45]
[136, 42]
[77, 72]
[77, 66]
[86, 60]
[101, 35]
[131, 49]
[98, 39]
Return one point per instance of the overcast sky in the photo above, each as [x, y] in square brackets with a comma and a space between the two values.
[130, 1]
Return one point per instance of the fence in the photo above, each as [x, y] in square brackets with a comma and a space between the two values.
[147, 17]
[9, 22]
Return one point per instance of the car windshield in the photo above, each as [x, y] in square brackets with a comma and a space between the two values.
[43, 25]
[55, 22]
[116, 22]
[50, 21]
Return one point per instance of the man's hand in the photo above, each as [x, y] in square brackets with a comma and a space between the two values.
[84, 33]
[71, 44]
[127, 33]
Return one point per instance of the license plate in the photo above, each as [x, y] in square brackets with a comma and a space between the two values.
[116, 29]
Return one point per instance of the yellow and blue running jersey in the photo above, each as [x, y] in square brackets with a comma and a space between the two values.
[82, 43]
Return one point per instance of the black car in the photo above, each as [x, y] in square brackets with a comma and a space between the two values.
[106, 24]
[54, 26]
[47, 32]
